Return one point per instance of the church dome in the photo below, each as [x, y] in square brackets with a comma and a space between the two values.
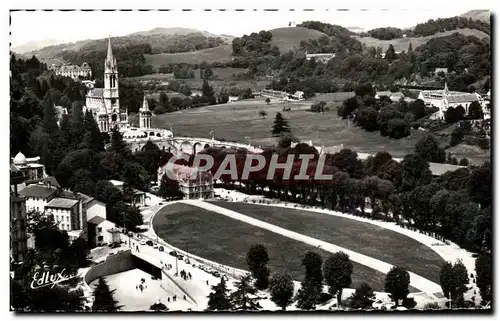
[20, 159]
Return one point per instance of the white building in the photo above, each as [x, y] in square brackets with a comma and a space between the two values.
[29, 167]
[438, 70]
[320, 57]
[102, 232]
[144, 115]
[298, 95]
[443, 99]
[104, 103]
[38, 196]
[138, 197]
[193, 183]
[72, 71]
[66, 213]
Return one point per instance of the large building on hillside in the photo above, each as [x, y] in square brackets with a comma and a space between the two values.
[104, 103]
[73, 71]
[443, 99]
[321, 57]
[193, 183]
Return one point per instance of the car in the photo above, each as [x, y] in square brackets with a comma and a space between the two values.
[173, 253]
[161, 249]
[130, 234]
[180, 257]
[155, 246]
[160, 203]
[142, 243]
[216, 274]
[149, 242]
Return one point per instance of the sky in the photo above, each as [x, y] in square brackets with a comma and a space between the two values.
[79, 25]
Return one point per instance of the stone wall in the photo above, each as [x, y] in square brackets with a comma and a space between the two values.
[114, 263]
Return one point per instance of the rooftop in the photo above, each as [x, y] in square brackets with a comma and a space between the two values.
[96, 92]
[62, 203]
[37, 190]
[96, 220]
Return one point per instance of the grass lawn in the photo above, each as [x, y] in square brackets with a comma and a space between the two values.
[225, 240]
[216, 54]
[367, 239]
[235, 121]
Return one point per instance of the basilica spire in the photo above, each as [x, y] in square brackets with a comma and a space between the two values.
[110, 59]
[145, 106]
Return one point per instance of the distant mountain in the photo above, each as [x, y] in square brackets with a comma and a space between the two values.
[35, 45]
[481, 15]
[355, 29]
[174, 31]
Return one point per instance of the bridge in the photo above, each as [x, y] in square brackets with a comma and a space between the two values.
[186, 145]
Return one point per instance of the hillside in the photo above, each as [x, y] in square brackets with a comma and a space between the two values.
[402, 43]
[220, 53]
[481, 15]
[289, 38]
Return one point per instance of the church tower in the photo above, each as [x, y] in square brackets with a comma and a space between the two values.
[117, 117]
[144, 115]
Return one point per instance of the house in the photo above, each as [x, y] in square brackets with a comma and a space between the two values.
[397, 96]
[93, 207]
[193, 183]
[66, 213]
[18, 235]
[320, 57]
[439, 70]
[138, 197]
[380, 94]
[233, 99]
[37, 196]
[298, 95]
[102, 232]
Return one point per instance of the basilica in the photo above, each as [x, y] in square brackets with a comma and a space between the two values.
[104, 103]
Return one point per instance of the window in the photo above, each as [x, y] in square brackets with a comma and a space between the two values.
[113, 101]
[99, 229]
[67, 227]
[99, 238]
[67, 218]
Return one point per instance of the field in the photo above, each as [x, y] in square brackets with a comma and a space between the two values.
[224, 240]
[235, 121]
[367, 239]
[289, 38]
[403, 43]
[217, 54]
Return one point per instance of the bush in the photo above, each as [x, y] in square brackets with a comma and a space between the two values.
[159, 110]
[432, 305]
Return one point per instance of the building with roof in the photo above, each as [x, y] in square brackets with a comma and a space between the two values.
[444, 99]
[394, 97]
[66, 213]
[193, 182]
[74, 71]
[104, 103]
[138, 197]
[30, 168]
[298, 95]
[37, 196]
[320, 57]
[439, 70]
[102, 232]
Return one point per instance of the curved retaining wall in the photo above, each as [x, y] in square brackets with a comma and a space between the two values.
[114, 263]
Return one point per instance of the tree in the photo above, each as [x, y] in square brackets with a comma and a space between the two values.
[457, 136]
[398, 128]
[337, 271]
[262, 114]
[163, 100]
[208, 92]
[415, 172]
[464, 162]
[280, 125]
[169, 188]
[244, 297]
[308, 295]
[428, 148]
[479, 186]
[475, 111]
[390, 54]
[362, 298]
[454, 280]
[281, 288]
[132, 218]
[218, 299]
[158, 306]
[460, 110]
[417, 107]
[312, 261]
[484, 274]
[367, 118]
[397, 281]
[268, 100]
[451, 115]
[103, 298]
[257, 259]
[118, 145]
